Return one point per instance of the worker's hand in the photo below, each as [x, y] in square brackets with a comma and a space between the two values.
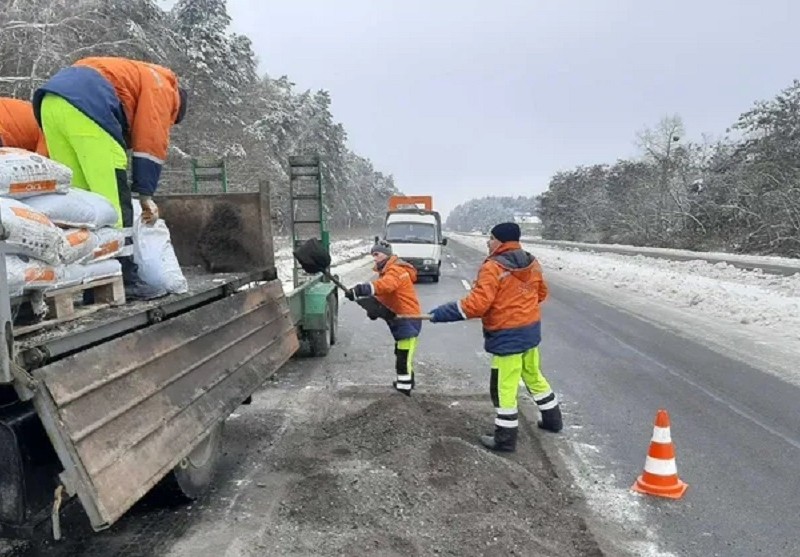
[363, 290]
[350, 295]
[447, 313]
[149, 210]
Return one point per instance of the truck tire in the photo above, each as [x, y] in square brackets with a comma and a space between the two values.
[192, 476]
[435, 278]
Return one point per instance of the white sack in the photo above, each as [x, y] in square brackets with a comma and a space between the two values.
[27, 273]
[24, 174]
[102, 269]
[76, 208]
[77, 273]
[79, 243]
[155, 256]
[69, 275]
[31, 233]
[108, 242]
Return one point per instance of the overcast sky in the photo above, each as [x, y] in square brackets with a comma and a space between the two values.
[465, 98]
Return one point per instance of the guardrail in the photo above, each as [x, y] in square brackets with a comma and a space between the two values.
[749, 262]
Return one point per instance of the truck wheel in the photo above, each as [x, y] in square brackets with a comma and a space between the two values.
[319, 342]
[194, 474]
[435, 278]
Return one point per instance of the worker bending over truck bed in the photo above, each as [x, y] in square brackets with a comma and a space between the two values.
[94, 110]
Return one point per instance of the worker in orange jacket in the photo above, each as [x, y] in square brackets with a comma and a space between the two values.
[18, 126]
[506, 297]
[95, 110]
[394, 288]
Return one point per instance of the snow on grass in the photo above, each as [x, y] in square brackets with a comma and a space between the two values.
[735, 295]
[719, 256]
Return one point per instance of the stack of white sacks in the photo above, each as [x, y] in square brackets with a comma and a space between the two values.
[61, 236]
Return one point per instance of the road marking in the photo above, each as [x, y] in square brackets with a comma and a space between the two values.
[466, 284]
[454, 265]
[714, 396]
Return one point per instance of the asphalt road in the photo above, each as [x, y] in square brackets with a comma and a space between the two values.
[329, 460]
[735, 428]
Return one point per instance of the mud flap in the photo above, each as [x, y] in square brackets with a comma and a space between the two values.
[123, 414]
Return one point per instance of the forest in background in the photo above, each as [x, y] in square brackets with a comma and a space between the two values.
[255, 122]
[740, 193]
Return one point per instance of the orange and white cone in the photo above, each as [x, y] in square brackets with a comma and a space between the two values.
[660, 476]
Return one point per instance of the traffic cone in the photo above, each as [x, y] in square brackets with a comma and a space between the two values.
[660, 476]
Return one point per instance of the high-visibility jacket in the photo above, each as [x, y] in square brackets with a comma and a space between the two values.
[394, 288]
[506, 297]
[135, 102]
[18, 126]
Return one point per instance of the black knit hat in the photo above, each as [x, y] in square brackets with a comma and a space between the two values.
[506, 232]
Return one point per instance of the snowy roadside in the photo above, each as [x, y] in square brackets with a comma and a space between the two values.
[345, 256]
[792, 264]
[748, 314]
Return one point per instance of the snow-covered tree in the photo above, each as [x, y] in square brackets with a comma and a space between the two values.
[253, 122]
[481, 214]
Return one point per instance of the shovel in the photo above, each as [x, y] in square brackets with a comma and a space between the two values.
[314, 258]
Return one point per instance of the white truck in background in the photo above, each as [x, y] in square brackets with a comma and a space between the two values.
[414, 230]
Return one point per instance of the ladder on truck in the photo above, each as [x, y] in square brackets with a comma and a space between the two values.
[307, 207]
[215, 170]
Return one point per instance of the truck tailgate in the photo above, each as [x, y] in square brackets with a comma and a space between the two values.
[123, 414]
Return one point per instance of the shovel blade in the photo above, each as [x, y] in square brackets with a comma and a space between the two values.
[312, 256]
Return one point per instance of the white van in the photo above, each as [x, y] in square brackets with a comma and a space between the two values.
[416, 237]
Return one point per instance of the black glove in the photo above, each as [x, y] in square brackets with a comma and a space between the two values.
[350, 295]
[363, 290]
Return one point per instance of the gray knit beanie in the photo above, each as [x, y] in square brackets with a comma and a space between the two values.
[382, 246]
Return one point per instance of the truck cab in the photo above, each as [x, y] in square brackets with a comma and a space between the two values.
[415, 232]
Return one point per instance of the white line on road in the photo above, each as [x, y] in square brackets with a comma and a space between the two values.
[454, 265]
[466, 284]
[730, 405]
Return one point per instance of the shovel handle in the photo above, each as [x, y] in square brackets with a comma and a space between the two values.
[423, 317]
[334, 280]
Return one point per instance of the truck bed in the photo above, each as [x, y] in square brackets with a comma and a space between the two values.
[107, 323]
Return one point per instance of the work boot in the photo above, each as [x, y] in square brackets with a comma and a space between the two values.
[135, 289]
[406, 392]
[504, 440]
[551, 420]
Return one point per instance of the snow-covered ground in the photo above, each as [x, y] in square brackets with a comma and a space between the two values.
[718, 256]
[750, 314]
[345, 256]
